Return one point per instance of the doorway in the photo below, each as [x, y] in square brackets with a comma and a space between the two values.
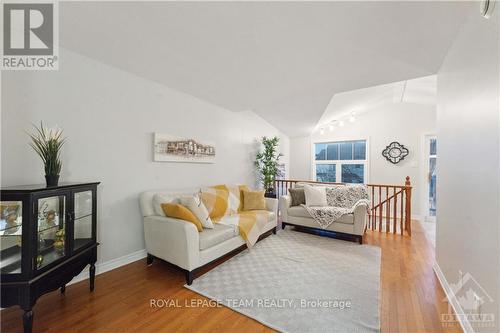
[431, 175]
[429, 187]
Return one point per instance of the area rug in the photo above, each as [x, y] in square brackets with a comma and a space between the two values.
[297, 282]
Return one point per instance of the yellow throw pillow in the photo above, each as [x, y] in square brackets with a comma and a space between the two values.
[242, 188]
[180, 212]
[254, 200]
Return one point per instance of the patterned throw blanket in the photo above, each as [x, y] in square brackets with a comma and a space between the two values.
[225, 205]
[342, 200]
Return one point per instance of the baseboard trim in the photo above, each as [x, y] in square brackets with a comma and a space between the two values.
[455, 304]
[110, 265]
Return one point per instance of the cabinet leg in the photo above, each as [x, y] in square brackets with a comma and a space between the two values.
[92, 276]
[28, 321]
[63, 289]
[189, 277]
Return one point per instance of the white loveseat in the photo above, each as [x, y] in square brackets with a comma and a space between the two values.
[180, 243]
[351, 224]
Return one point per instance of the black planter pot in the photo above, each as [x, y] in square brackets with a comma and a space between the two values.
[270, 193]
[52, 180]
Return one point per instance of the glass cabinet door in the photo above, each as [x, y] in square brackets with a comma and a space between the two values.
[51, 230]
[83, 209]
[11, 220]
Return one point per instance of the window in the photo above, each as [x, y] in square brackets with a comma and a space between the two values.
[320, 152]
[341, 161]
[353, 173]
[326, 173]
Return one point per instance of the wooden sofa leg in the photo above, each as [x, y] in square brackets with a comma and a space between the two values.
[189, 277]
[360, 239]
[283, 225]
[274, 230]
[149, 259]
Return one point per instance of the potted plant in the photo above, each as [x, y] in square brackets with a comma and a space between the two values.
[266, 163]
[47, 143]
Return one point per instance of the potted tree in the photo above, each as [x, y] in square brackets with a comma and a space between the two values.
[47, 143]
[266, 162]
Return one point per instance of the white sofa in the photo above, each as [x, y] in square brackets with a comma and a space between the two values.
[351, 224]
[180, 243]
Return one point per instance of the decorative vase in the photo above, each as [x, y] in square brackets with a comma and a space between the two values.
[270, 193]
[52, 180]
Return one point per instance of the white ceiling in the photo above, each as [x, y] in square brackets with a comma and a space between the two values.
[282, 60]
[416, 91]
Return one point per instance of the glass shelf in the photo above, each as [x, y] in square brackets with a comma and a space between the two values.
[47, 254]
[82, 217]
[4, 226]
[11, 231]
[11, 260]
[82, 233]
[48, 228]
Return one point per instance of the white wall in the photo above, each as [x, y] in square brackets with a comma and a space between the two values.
[300, 158]
[468, 220]
[402, 122]
[109, 117]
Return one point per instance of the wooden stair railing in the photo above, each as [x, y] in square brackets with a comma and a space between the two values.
[389, 204]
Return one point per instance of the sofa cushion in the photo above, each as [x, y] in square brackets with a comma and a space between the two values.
[300, 211]
[315, 195]
[196, 206]
[298, 196]
[217, 235]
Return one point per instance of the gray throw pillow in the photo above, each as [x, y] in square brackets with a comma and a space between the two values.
[298, 196]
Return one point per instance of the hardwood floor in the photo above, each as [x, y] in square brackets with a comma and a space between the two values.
[411, 298]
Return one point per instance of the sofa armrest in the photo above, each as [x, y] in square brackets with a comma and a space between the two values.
[284, 204]
[173, 240]
[360, 213]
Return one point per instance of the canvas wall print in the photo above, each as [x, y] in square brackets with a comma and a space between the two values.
[170, 148]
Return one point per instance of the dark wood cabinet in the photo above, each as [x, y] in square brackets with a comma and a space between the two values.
[48, 236]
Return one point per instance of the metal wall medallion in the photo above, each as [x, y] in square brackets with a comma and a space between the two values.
[395, 152]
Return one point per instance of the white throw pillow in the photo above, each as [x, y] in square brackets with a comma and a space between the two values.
[159, 199]
[315, 195]
[196, 206]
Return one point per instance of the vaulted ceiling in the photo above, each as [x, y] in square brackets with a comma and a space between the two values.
[420, 91]
[282, 60]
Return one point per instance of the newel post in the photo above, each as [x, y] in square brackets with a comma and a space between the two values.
[408, 205]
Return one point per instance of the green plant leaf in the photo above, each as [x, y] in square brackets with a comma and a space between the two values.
[266, 161]
[48, 144]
